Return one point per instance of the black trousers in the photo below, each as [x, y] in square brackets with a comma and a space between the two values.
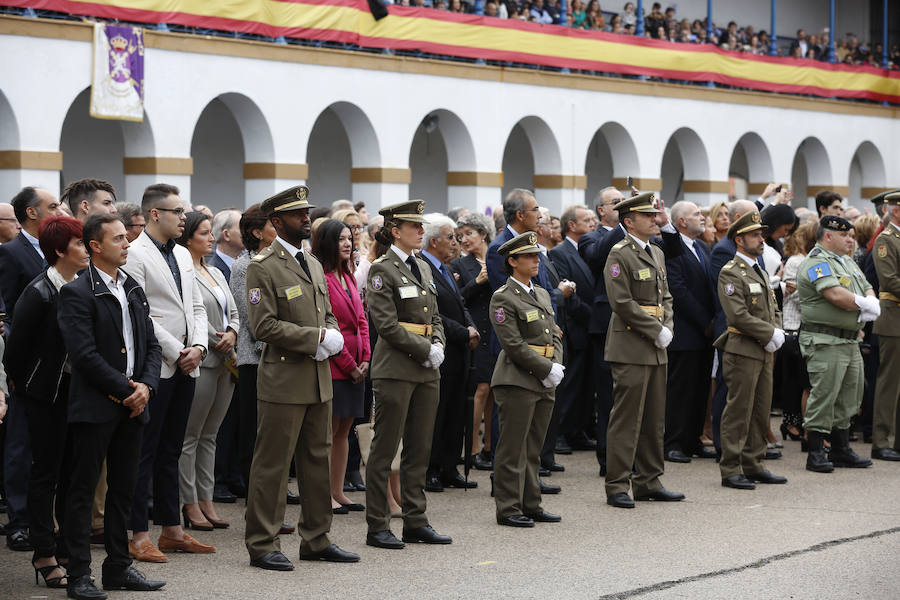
[246, 418]
[447, 440]
[603, 386]
[160, 451]
[228, 466]
[47, 426]
[577, 387]
[687, 393]
[119, 443]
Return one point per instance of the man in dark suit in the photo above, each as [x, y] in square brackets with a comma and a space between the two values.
[575, 395]
[105, 322]
[594, 248]
[21, 260]
[691, 352]
[227, 233]
[439, 248]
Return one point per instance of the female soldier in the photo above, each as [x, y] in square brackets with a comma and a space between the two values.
[403, 309]
[524, 383]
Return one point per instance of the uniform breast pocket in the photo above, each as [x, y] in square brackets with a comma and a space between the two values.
[532, 322]
[644, 284]
[291, 301]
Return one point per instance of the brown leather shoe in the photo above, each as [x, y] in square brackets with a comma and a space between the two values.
[188, 544]
[146, 552]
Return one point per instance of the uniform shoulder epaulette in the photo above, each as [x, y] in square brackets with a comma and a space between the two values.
[379, 260]
[728, 265]
[622, 243]
[263, 254]
[814, 252]
[502, 288]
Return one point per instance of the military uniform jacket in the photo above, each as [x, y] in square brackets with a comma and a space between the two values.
[886, 256]
[519, 321]
[287, 310]
[635, 280]
[750, 309]
[820, 270]
[394, 296]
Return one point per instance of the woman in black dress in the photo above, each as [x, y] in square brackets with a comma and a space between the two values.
[475, 233]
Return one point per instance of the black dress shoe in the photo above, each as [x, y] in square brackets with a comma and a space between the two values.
[424, 535]
[238, 489]
[331, 554]
[660, 495]
[340, 510]
[562, 446]
[704, 452]
[355, 478]
[547, 488]
[222, 494]
[273, 561]
[482, 461]
[544, 517]
[18, 541]
[349, 487]
[292, 498]
[515, 521]
[131, 579]
[455, 480]
[354, 507]
[765, 476]
[554, 466]
[384, 539]
[602, 470]
[82, 588]
[433, 483]
[677, 456]
[886, 454]
[543, 472]
[738, 482]
[772, 454]
[581, 442]
[620, 500]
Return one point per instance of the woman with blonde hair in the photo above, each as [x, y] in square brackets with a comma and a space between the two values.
[718, 220]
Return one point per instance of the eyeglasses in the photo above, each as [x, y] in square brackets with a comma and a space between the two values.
[355, 227]
[8, 219]
[177, 211]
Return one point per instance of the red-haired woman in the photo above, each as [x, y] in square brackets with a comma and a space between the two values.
[37, 364]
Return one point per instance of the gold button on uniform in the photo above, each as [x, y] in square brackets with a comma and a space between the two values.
[425, 308]
[546, 331]
[423, 292]
[282, 359]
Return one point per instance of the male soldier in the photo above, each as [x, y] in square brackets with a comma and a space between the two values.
[639, 331]
[289, 310]
[885, 442]
[748, 347]
[835, 299]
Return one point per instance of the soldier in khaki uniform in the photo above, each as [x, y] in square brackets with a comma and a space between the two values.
[748, 345]
[524, 382]
[886, 256]
[639, 331]
[289, 310]
[403, 310]
[835, 301]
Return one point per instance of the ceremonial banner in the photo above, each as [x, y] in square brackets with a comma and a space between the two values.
[505, 40]
[117, 85]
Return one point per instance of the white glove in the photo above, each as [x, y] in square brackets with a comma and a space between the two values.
[776, 342]
[868, 303]
[435, 357]
[663, 338]
[333, 342]
[321, 353]
[554, 377]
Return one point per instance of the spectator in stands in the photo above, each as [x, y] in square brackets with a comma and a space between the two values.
[654, 20]
[131, 216]
[579, 15]
[801, 42]
[490, 9]
[628, 17]
[456, 6]
[540, 13]
[215, 386]
[615, 24]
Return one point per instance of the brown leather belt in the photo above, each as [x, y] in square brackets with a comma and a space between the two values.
[543, 350]
[888, 296]
[846, 334]
[416, 328]
[653, 310]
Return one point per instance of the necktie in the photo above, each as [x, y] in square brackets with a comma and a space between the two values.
[446, 275]
[302, 260]
[414, 268]
[532, 294]
[759, 272]
[649, 252]
[699, 252]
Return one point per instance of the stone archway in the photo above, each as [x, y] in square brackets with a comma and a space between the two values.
[611, 157]
[685, 169]
[811, 172]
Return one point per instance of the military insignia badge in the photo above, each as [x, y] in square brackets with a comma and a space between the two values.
[818, 271]
[844, 281]
[499, 315]
[301, 193]
[254, 295]
[377, 283]
[729, 289]
[615, 270]
[882, 251]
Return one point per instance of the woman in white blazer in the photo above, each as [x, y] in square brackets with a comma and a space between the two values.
[212, 394]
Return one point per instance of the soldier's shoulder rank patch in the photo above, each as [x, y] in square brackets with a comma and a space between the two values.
[254, 295]
[818, 271]
[729, 289]
[500, 315]
[622, 243]
[882, 251]
[615, 270]
[377, 282]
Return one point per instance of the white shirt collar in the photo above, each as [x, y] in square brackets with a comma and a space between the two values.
[291, 249]
[403, 255]
[229, 262]
[107, 280]
[573, 242]
[528, 288]
[750, 261]
[640, 243]
[34, 242]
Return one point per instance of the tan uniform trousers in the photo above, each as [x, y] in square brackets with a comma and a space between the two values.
[886, 417]
[745, 419]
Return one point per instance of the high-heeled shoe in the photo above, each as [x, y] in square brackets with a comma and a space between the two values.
[50, 582]
[787, 433]
[216, 523]
[195, 525]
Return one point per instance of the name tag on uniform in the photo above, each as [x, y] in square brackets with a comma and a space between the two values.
[755, 288]
[531, 315]
[844, 281]
[644, 274]
[408, 291]
[293, 292]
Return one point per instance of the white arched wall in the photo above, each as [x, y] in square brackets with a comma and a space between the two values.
[532, 160]
[752, 162]
[329, 160]
[9, 140]
[867, 176]
[217, 151]
[811, 172]
[685, 169]
[610, 158]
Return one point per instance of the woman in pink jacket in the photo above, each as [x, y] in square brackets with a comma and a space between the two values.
[333, 245]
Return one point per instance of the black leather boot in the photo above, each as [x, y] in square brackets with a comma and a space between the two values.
[842, 455]
[815, 460]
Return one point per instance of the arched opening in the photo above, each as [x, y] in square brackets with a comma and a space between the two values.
[440, 144]
[610, 155]
[9, 127]
[685, 168]
[867, 174]
[750, 166]
[91, 147]
[810, 172]
[531, 149]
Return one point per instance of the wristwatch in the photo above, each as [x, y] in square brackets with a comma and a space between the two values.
[203, 351]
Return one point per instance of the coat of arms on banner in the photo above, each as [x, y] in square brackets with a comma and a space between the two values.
[117, 86]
